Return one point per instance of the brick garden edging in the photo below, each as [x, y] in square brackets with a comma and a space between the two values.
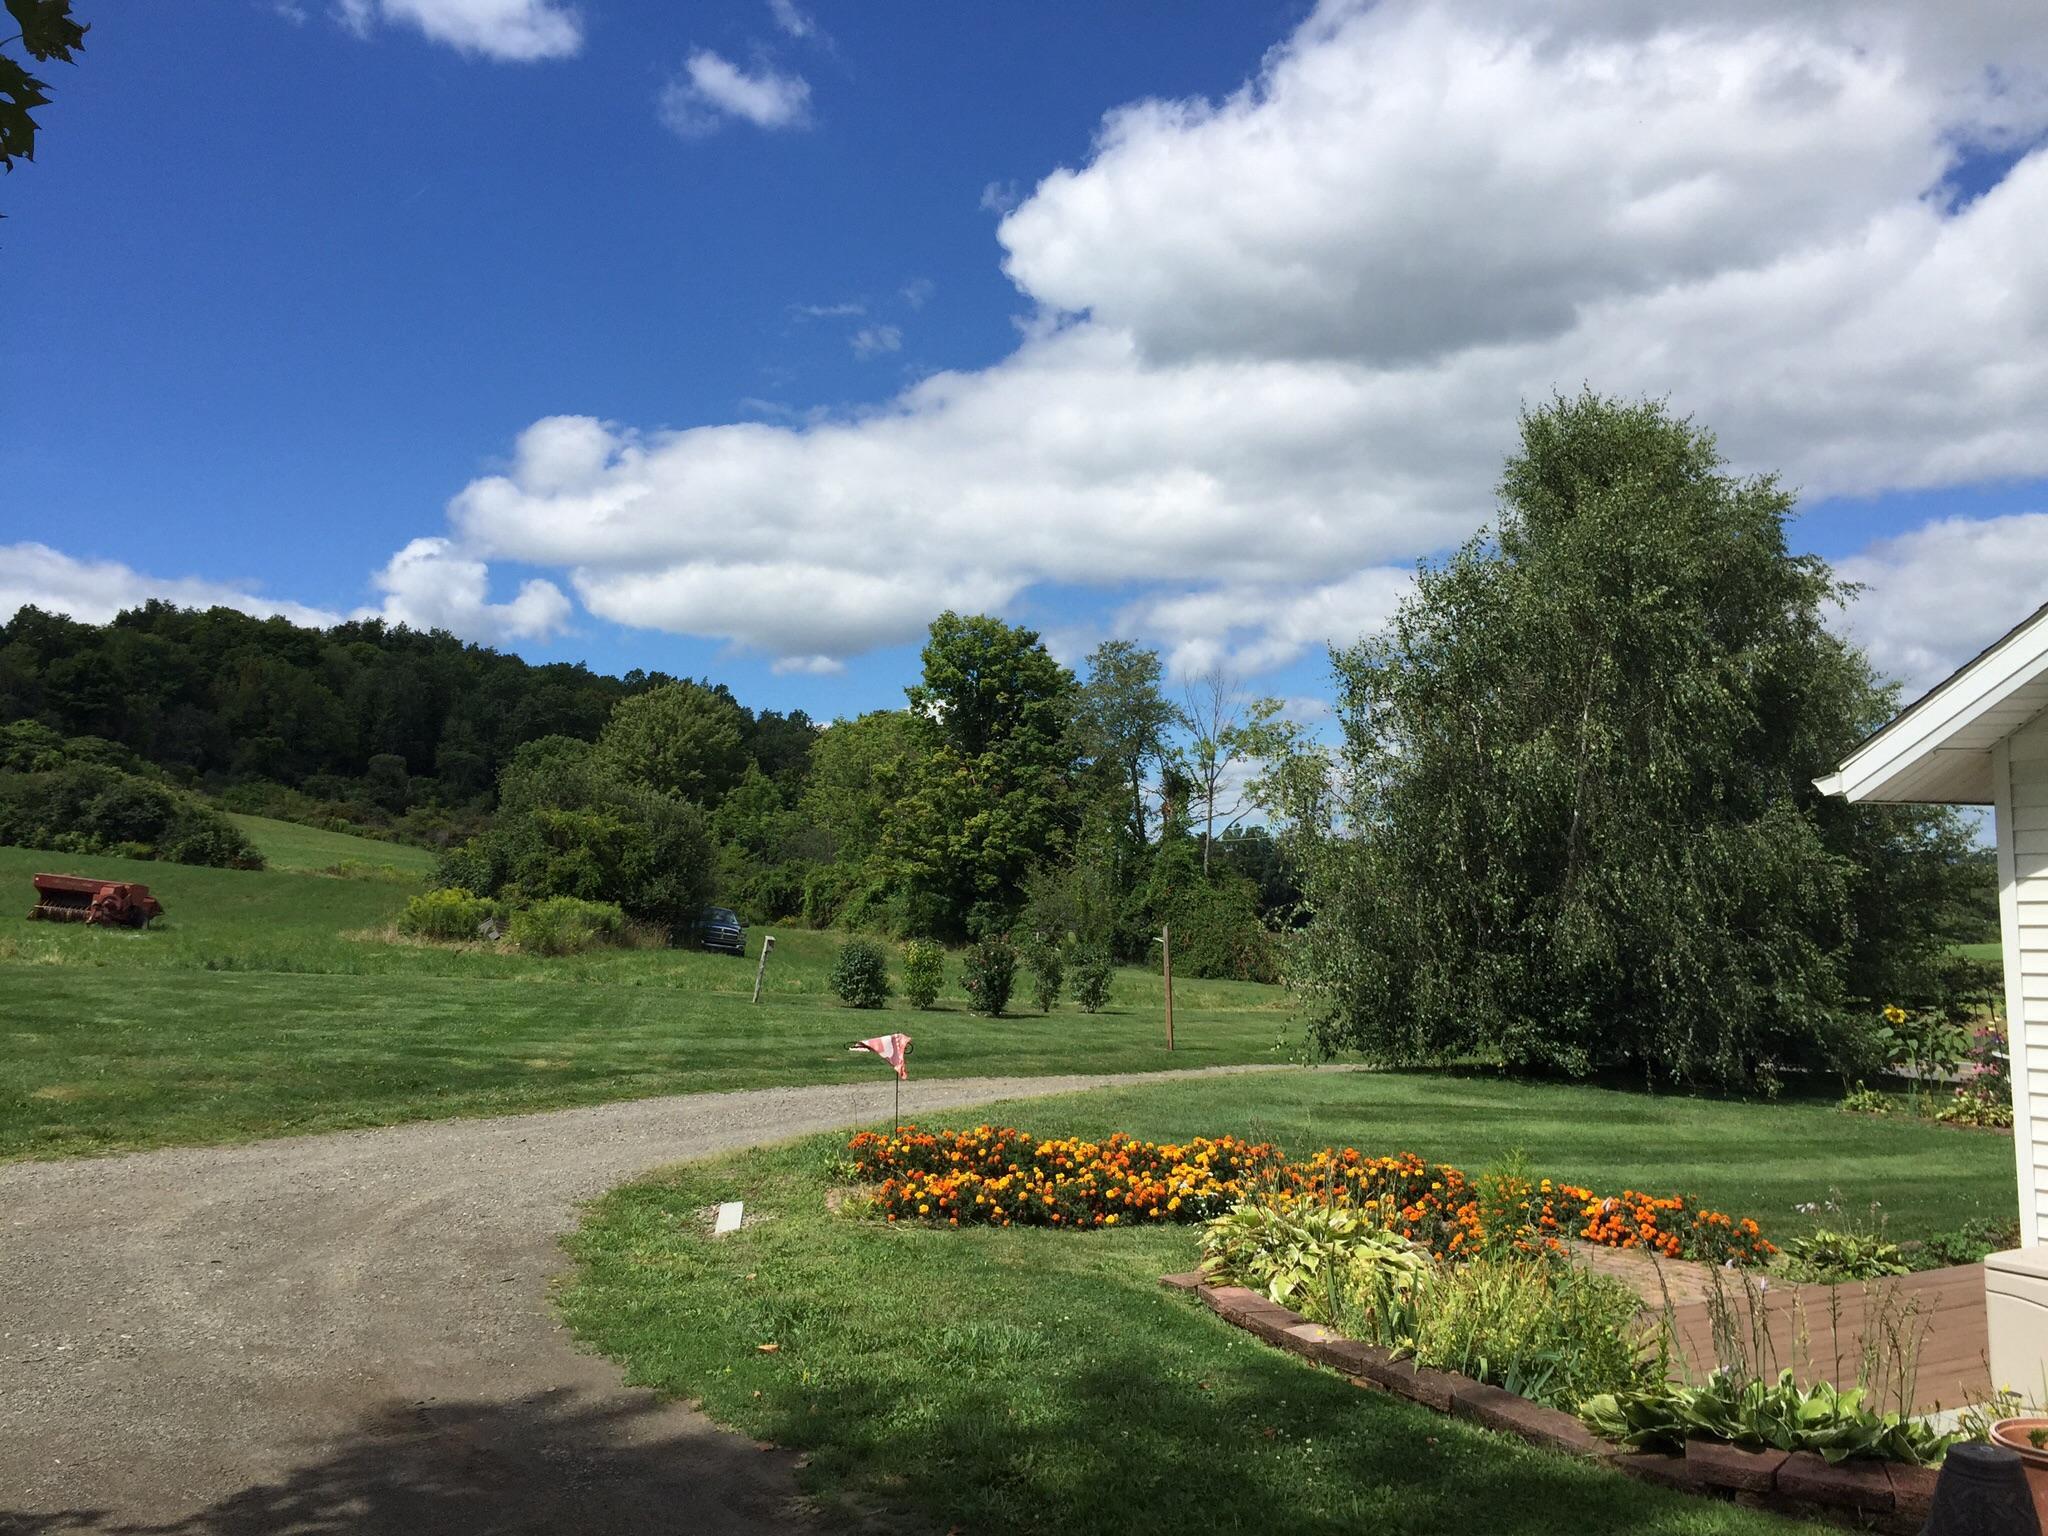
[1870, 1495]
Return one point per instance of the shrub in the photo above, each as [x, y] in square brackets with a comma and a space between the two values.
[1866, 1101]
[861, 974]
[92, 808]
[988, 973]
[1534, 1324]
[924, 972]
[567, 826]
[1218, 933]
[1048, 975]
[567, 925]
[1092, 973]
[1831, 1257]
[1979, 1104]
[1778, 1417]
[1968, 1244]
[448, 915]
[1299, 1256]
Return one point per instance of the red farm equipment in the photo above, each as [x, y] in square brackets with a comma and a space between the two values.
[105, 903]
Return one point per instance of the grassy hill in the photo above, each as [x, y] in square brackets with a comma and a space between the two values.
[287, 845]
[282, 1001]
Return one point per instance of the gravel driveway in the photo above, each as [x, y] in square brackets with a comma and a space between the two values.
[352, 1332]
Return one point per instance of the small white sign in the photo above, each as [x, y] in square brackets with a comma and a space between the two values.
[728, 1218]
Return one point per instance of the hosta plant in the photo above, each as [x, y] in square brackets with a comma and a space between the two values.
[1301, 1254]
[1833, 1257]
[1778, 1416]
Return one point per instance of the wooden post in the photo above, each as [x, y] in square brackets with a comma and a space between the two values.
[1166, 966]
[761, 970]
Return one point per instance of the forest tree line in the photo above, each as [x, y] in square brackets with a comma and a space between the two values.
[1009, 790]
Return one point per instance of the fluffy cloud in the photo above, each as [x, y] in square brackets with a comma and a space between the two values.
[712, 89]
[1278, 341]
[93, 591]
[514, 30]
[426, 585]
[1251, 629]
[429, 586]
[1936, 596]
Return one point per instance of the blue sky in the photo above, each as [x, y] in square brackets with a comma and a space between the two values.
[289, 279]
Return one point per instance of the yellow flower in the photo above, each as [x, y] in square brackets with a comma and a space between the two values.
[1895, 1014]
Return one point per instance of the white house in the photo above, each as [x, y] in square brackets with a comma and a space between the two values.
[1981, 738]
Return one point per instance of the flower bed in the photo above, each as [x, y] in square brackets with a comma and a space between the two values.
[1001, 1176]
[1864, 1494]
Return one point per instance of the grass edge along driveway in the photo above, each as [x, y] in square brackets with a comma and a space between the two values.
[1033, 1380]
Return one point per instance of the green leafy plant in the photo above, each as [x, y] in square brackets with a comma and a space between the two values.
[988, 972]
[1048, 975]
[1092, 974]
[1968, 1244]
[1779, 1416]
[1532, 1323]
[1298, 1256]
[566, 925]
[1504, 1193]
[1866, 1101]
[1924, 1043]
[87, 807]
[1831, 1257]
[449, 915]
[1977, 1103]
[861, 974]
[924, 972]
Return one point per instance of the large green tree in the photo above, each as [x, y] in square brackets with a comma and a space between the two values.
[1574, 826]
[680, 738]
[986, 791]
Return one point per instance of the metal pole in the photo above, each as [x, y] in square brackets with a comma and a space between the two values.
[761, 970]
[1166, 965]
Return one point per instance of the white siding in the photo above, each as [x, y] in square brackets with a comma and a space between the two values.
[2020, 795]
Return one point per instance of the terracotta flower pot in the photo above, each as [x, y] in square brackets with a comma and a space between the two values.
[2014, 1435]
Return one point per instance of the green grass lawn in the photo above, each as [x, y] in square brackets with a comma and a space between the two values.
[279, 1001]
[287, 845]
[1031, 1380]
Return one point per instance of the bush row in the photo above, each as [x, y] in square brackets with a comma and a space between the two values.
[87, 808]
[557, 925]
[988, 974]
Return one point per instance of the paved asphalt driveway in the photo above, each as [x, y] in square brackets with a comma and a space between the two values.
[351, 1333]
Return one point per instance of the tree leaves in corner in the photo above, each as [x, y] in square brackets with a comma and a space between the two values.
[47, 32]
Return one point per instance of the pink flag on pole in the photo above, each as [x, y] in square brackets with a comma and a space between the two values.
[891, 1048]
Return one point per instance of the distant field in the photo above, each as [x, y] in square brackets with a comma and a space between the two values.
[286, 845]
[1992, 953]
[278, 1001]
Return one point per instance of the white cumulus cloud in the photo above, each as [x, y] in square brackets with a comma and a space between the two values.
[1277, 341]
[712, 89]
[93, 591]
[1932, 598]
[428, 585]
[517, 31]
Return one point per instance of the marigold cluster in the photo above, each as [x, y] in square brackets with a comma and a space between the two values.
[1000, 1176]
